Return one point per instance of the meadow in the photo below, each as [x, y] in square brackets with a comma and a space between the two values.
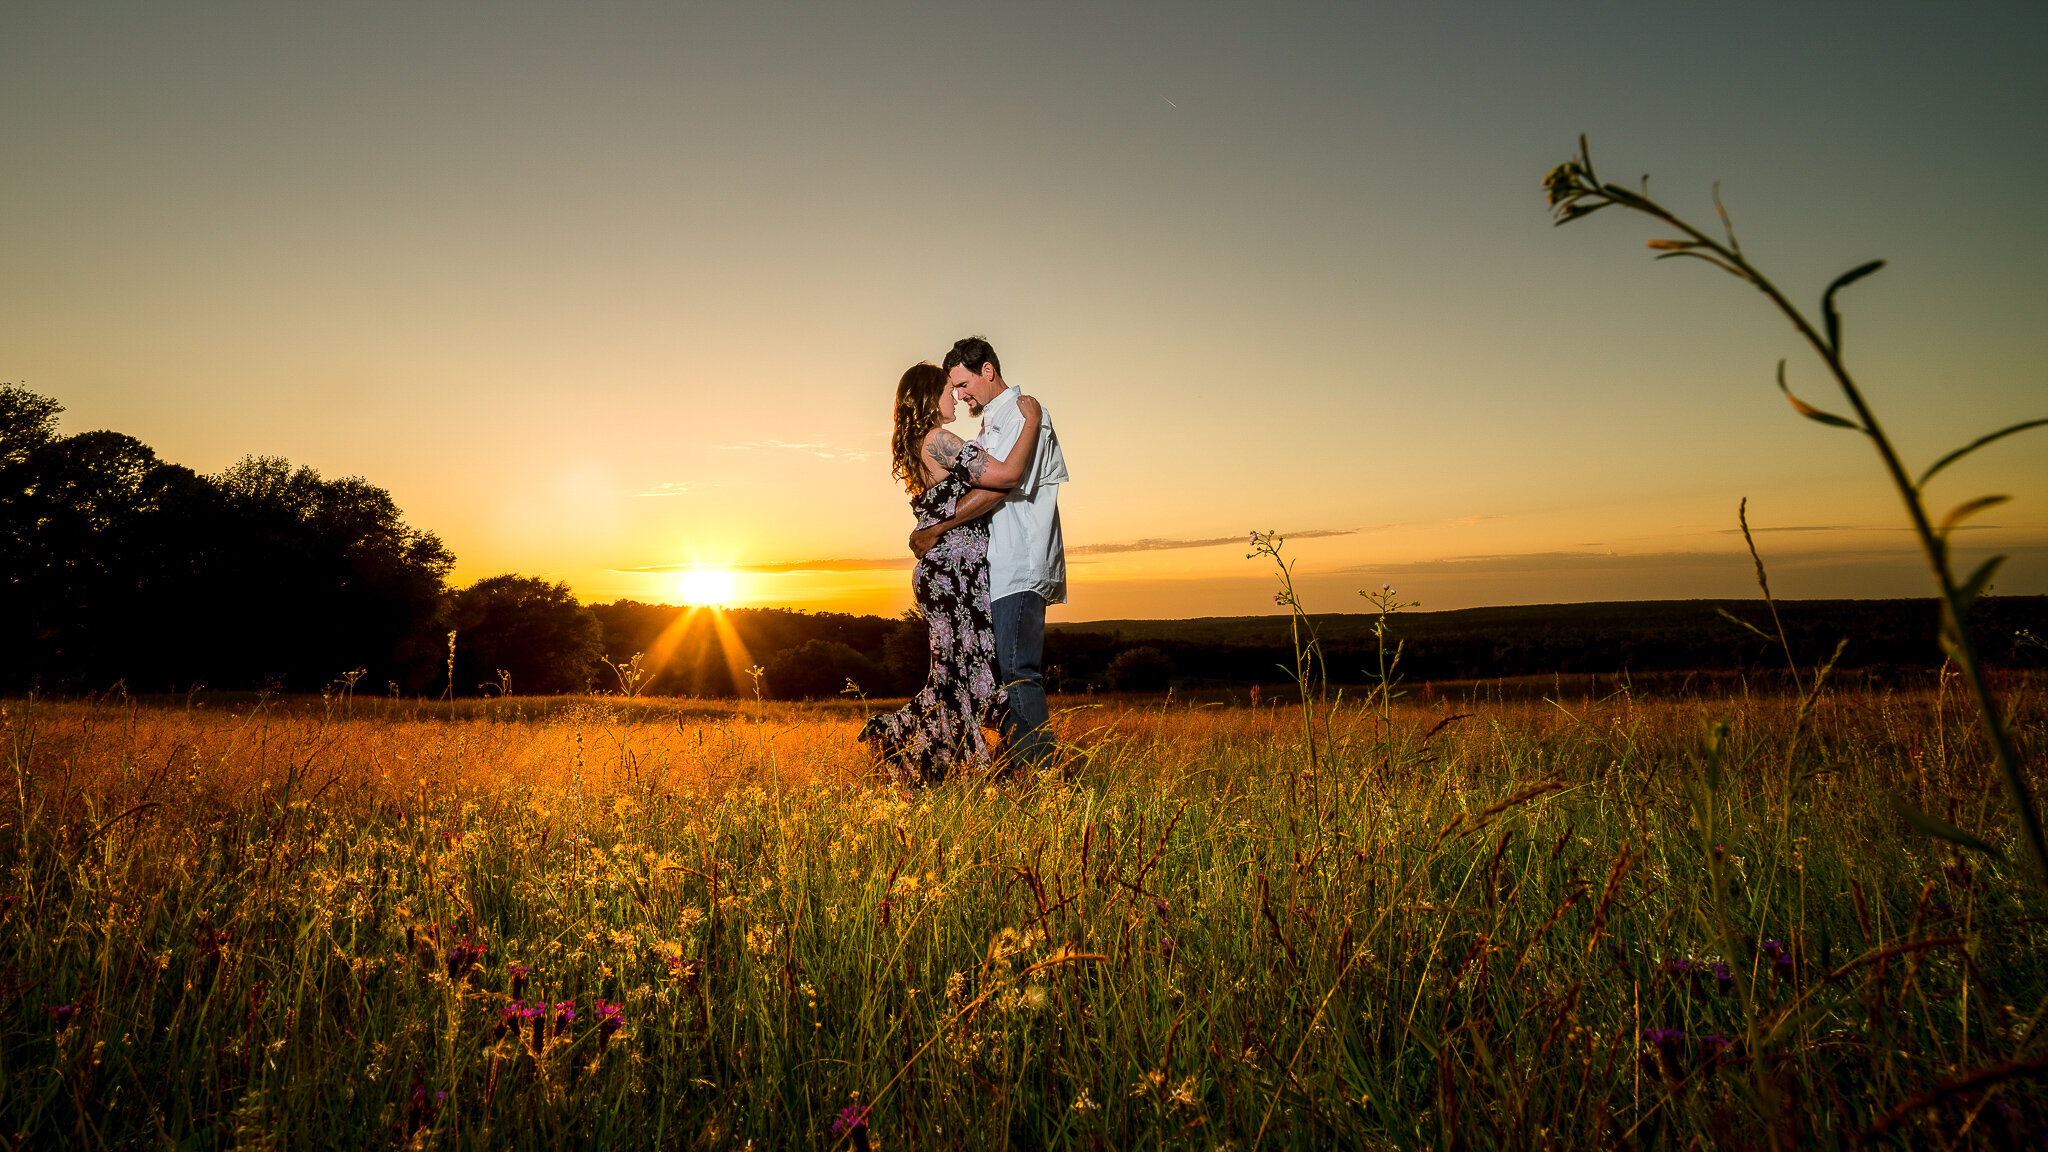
[1620, 918]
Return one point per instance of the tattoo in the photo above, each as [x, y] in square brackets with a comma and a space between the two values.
[944, 449]
[977, 466]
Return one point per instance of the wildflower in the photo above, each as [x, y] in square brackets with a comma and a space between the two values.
[508, 1020]
[1159, 906]
[64, 1014]
[1085, 1103]
[853, 1124]
[610, 1018]
[462, 956]
[886, 905]
[519, 972]
[565, 1015]
[1664, 1047]
[1783, 964]
[1714, 1047]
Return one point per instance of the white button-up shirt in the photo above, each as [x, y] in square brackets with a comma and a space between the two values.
[1025, 552]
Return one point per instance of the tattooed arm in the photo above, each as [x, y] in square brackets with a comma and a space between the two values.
[1003, 475]
[992, 479]
[977, 503]
[941, 450]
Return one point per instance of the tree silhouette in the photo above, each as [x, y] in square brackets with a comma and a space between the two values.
[530, 629]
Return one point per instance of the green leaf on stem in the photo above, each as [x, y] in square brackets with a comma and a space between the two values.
[1808, 410]
[1973, 445]
[1965, 510]
[1942, 829]
[1978, 581]
[1827, 302]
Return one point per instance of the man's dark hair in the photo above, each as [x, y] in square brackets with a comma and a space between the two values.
[971, 353]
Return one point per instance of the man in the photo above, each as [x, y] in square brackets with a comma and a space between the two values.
[1027, 562]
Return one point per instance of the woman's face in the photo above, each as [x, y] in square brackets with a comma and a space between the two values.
[946, 405]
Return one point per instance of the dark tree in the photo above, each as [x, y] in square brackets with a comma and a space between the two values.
[817, 670]
[907, 655]
[1143, 669]
[531, 629]
[118, 567]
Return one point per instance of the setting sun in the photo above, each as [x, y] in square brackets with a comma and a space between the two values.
[705, 586]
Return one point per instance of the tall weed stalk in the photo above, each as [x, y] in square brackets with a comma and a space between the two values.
[1575, 190]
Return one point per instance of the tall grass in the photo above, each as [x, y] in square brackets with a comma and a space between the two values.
[671, 924]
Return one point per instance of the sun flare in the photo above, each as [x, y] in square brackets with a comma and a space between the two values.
[706, 586]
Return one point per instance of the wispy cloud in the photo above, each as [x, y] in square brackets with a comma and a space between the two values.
[1848, 528]
[1151, 544]
[673, 488]
[823, 451]
[790, 567]
[894, 563]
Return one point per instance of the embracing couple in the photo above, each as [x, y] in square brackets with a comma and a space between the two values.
[989, 561]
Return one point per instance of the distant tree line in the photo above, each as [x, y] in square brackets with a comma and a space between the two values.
[118, 569]
[121, 570]
[1542, 639]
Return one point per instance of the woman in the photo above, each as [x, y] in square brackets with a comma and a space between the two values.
[940, 730]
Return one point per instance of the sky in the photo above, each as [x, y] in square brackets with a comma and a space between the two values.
[615, 292]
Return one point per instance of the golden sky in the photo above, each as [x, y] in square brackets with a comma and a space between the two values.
[607, 291]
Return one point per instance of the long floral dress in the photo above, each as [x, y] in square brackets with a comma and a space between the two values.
[940, 730]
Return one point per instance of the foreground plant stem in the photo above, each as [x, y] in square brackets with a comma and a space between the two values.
[1574, 191]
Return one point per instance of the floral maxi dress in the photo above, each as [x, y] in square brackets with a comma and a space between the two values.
[940, 730]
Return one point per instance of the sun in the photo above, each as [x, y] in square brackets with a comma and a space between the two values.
[706, 586]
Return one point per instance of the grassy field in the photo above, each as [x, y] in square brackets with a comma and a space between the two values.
[1564, 922]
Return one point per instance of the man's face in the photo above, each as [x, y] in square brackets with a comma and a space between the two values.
[977, 388]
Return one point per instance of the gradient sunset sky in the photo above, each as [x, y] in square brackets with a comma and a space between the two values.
[603, 291]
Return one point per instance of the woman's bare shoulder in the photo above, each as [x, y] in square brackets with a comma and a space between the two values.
[942, 448]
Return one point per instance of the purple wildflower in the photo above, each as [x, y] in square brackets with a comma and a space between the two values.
[610, 1018]
[565, 1015]
[1664, 1048]
[886, 905]
[64, 1014]
[508, 1019]
[1159, 906]
[462, 957]
[853, 1124]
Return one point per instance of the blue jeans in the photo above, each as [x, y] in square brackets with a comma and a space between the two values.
[1020, 645]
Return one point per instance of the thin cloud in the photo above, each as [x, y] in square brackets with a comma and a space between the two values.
[823, 451]
[673, 488]
[1151, 544]
[1528, 562]
[1850, 528]
[789, 567]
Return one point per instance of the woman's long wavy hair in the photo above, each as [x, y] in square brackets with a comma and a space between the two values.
[917, 412]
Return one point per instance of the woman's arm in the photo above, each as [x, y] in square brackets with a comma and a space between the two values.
[941, 449]
[1002, 475]
[970, 507]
